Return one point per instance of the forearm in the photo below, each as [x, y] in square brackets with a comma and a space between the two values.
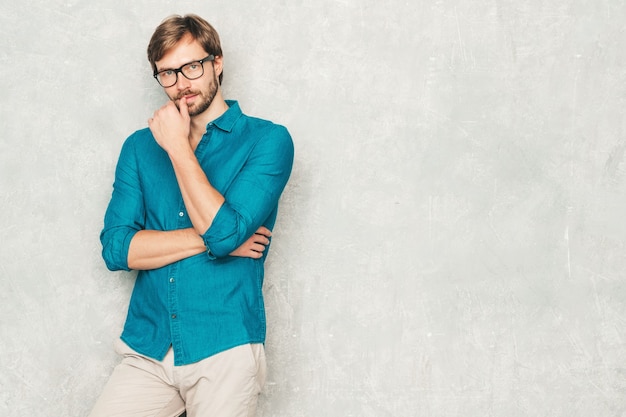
[202, 200]
[151, 249]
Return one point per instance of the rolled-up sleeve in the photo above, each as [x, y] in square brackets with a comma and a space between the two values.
[253, 196]
[125, 215]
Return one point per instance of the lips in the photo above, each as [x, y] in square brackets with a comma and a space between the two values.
[190, 98]
[187, 96]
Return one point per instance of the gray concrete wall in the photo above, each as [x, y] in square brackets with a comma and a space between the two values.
[452, 241]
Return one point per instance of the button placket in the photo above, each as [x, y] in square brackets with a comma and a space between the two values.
[172, 283]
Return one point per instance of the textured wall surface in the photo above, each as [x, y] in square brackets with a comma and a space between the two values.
[452, 241]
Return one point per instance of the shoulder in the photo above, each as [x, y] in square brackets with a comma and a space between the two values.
[267, 131]
[141, 140]
[255, 128]
[271, 139]
[140, 137]
[140, 149]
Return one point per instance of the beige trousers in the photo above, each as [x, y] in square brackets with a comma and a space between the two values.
[224, 385]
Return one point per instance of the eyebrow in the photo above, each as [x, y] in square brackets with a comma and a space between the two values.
[170, 69]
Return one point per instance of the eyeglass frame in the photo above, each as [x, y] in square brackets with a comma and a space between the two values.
[178, 70]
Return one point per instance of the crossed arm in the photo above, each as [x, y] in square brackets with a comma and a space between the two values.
[151, 249]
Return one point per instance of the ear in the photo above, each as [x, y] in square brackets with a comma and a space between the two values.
[218, 65]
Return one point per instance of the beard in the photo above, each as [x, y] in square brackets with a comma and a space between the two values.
[205, 98]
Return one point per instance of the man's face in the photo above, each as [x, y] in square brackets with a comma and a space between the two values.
[200, 92]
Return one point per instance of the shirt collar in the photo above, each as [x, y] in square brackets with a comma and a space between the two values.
[227, 121]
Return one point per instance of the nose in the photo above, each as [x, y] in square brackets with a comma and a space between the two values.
[182, 82]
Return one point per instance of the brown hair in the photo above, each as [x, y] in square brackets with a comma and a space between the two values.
[174, 28]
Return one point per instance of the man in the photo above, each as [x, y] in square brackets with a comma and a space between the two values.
[194, 199]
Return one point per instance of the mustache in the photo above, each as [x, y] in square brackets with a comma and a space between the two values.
[186, 93]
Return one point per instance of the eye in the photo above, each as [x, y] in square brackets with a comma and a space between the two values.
[167, 73]
[193, 66]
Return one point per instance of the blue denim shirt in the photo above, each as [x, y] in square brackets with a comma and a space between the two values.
[210, 302]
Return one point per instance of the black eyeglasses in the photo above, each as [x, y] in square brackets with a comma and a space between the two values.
[191, 71]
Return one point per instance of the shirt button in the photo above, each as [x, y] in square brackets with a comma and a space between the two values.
[173, 316]
[181, 214]
[172, 280]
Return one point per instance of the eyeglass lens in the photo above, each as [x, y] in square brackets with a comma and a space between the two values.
[191, 71]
